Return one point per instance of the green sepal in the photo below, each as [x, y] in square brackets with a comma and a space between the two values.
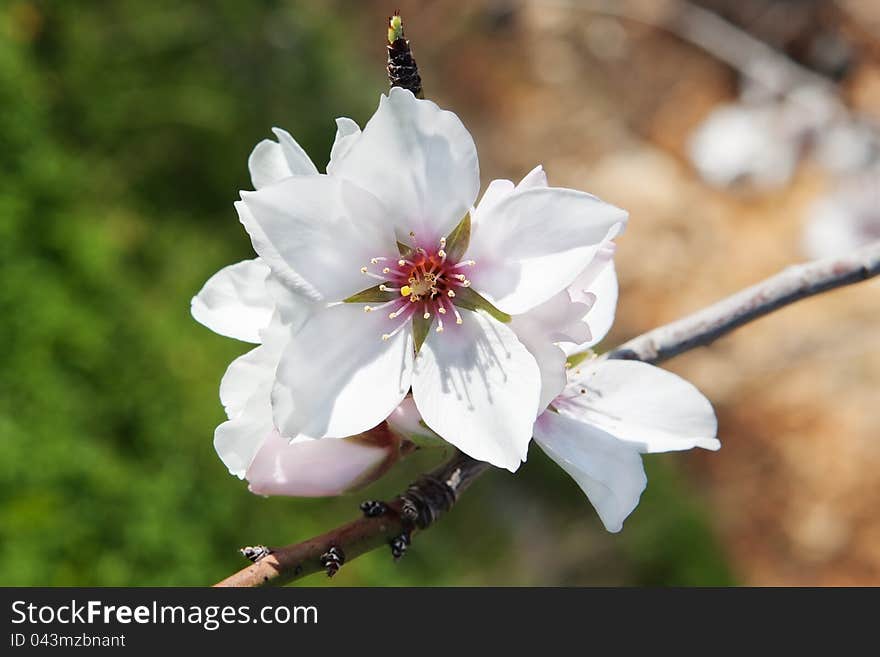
[371, 295]
[465, 297]
[457, 241]
[421, 326]
[404, 249]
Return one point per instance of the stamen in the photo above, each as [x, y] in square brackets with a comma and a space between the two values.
[369, 309]
[450, 293]
[386, 270]
[365, 272]
[465, 263]
[442, 242]
[376, 261]
[385, 288]
[441, 310]
[407, 313]
[427, 315]
[439, 328]
[457, 315]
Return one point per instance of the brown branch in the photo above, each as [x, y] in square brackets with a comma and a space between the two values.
[436, 492]
[423, 502]
[790, 285]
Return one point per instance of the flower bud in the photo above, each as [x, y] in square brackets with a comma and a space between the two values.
[325, 467]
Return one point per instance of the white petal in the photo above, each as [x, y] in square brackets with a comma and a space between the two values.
[420, 160]
[246, 391]
[234, 301]
[317, 468]
[245, 376]
[272, 161]
[496, 191]
[269, 255]
[347, 132]
[539, 329]
[254, 372]
[537, 177]
[608, 470]
[337, 377]
[238, 440]
[654, 409]
[478, 387]
[534, 243]
[597, 286]
[324, 229]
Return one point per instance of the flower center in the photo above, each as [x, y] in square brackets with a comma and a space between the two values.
[426, 280]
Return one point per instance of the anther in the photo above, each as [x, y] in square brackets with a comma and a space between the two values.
[386, 270]
[363, 270]
[441, 310]
[450, 293]
[368, 309]
[427, 315]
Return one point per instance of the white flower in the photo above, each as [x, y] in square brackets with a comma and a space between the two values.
[742, 143]
[394, 264]
[609, 414]
[237, 302]
[845, 219]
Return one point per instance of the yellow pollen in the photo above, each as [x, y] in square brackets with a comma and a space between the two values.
[405, 291]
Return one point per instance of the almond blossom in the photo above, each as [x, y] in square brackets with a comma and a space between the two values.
[407, 287]
[609, 414]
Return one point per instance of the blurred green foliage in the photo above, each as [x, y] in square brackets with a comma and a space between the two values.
[126, 128]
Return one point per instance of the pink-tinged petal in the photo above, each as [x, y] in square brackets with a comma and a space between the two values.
[338, 377]
[608, 470]
[478, 387]
[234, 301]
[651, 408]
[534, 243]
[406, 422]
[271, 161]
[322, 228]
[420, 160]
[321, 468]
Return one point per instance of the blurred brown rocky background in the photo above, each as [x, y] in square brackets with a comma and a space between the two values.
[606, 99]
